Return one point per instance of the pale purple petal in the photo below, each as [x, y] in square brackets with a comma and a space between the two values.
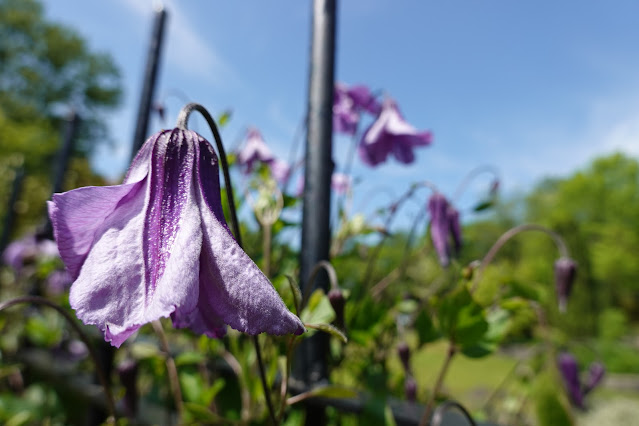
[255, 150]
[280, 170]
[78, 217]
[390, 133]
[232, 289]
[595, 375]
[340, 183]
[455, 227]
[363, 99]
[439, 227]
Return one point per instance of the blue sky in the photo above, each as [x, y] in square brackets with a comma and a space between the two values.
[533, 88]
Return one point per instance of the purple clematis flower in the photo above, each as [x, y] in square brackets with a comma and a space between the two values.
[26, 250]
[390, 133]
[255, 150]
[280, 170]
[347, 105]
[595, 375]
[444, 223]
[158, 246]
[340, 183]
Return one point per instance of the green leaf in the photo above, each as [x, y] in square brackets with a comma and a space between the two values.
[426, 330]
[189, 358]
[327, 328]
[333, 391]
[483, 205]
[318, 310]
[224, 118]
[196, 413]
[461, 318]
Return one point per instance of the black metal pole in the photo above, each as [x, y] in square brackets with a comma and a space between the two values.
[311, 357]
[65, 151]
[148, 84]
[62, 162]
[10, 216]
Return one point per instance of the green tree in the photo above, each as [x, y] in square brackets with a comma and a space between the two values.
[47, 71]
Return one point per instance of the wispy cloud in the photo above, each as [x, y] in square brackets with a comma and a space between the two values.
[185, 48]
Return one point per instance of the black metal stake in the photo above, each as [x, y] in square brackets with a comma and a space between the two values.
[10, 216]
[148, 84]
[62, 163]
[310, 362]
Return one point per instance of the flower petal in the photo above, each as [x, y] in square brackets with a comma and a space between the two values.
[78, 217]
[233, 288]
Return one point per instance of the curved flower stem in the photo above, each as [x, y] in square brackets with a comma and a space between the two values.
[559, 242]
[438, 415]
[85, 339]
[472, 174]
[182, 123]
[332, 277]
[438, 384]
[171, 369]
[246, 397]
[389, 220]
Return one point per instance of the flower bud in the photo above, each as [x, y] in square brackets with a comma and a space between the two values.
[336, 298]
[404, 355]
[565, 272]
[410, 388]
[570, 375]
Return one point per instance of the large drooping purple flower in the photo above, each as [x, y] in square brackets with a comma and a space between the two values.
[255, 150]
[348, 102]
[444, 224]
[390, 133]
[158, 246]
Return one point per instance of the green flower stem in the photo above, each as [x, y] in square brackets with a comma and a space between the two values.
[559, 242]
[438, 385]
[85, 339]
[171, 368]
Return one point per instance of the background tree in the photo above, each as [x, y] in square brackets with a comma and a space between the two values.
[48, 71]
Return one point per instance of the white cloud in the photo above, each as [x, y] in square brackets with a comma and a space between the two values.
[185, 48]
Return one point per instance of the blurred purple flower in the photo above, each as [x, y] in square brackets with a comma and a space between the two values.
[347, 105]
[565, 273]
[410, 388]
[58, 282]
[444, 224]
[595, 375]
[280, 170]
[390, 133]
[340, 183]
[255, 150]
[26, 250]
[570, 375]
[158, 245]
